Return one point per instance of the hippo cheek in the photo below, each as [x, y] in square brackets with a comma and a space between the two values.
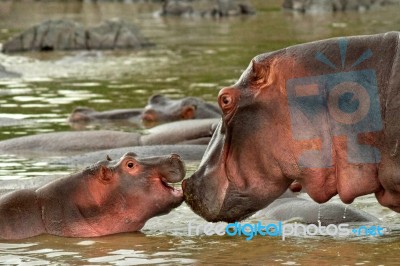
[238, 205]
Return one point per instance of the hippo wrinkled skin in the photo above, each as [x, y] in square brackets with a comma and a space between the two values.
[105, 198]
[323, 113]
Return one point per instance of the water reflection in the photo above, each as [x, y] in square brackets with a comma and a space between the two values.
[138, 248]
[13, 167]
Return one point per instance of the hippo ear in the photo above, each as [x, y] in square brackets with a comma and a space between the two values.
[259, 74]
[105, 174]
[131, 153]
[188, 112]
[157, 99]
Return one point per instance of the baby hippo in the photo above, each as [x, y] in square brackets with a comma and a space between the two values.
[106, 198]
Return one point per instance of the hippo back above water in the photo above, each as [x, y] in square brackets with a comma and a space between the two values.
[323, 113]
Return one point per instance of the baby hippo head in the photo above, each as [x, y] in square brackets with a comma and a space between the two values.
[133, 190]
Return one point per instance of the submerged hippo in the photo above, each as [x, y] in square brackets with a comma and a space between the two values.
[160, 109]
[85, 114]
[163, 109]
[323, 113]
[290, 207]
[105, 198]
[179, 132]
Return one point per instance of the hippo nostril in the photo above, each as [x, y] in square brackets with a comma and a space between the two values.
[149, 116]
[175, 156]
[226, 99]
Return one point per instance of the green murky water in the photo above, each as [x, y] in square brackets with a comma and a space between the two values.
[193, 57]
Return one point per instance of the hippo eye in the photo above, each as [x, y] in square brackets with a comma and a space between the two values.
[131, 165]
[227, 99]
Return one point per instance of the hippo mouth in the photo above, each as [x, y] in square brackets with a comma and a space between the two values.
[169, 172]
[170, 188]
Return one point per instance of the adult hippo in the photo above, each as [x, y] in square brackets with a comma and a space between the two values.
[323, 113]
[105, 198]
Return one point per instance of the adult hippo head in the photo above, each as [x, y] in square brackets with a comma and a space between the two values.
[160, 109]
[323, 113]
[105, 198]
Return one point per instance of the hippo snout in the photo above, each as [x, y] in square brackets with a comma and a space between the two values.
[149, 116]
[173, 169]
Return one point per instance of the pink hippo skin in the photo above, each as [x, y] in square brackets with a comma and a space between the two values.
[105, 198]
[325, 114]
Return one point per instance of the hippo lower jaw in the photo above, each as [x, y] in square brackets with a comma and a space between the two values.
[227, 205]
[172, 197]
[171, 171]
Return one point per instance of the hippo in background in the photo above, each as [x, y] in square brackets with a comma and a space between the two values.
[323, 113]
[73, 142]
[159, 109]
[105, 198]
[86, 114]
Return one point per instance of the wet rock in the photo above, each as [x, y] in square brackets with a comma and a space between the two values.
[176, 8]
[50, 35]
[115, 34]
[321, 6]
[65, 34]
[215, 8]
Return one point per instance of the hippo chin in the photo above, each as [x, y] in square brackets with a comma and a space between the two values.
[323, 113]
[105, 198]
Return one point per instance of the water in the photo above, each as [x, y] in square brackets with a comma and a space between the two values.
[193, 57]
